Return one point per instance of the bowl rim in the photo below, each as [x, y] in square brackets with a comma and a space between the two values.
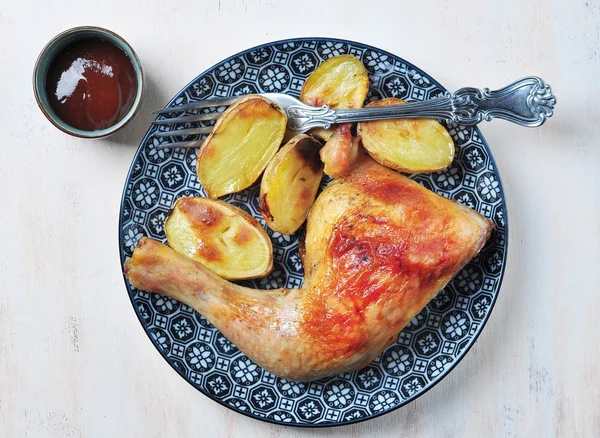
[101, 133]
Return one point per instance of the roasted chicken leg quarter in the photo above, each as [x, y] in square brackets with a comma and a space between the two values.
[378, 247]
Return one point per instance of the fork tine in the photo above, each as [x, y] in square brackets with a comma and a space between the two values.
[190, 118]
[180, 144]
[180, 132]
[197, 105]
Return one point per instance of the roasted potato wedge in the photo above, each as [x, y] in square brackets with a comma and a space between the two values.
[409, 145]
[322, 133]
[222, 237]
[244, 140]
[340, 82]
[290, 183]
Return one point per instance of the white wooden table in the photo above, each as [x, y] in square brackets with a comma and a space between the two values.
[74, 360]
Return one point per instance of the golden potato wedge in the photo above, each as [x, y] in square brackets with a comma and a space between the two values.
[244, 140]
[322, 133]
[290, 183]
[340, 152]
[409, 145]
[340, 82]
[222, 237]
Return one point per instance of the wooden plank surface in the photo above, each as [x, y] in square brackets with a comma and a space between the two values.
[75, 362]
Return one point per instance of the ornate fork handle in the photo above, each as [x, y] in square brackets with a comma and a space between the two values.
[527, 102]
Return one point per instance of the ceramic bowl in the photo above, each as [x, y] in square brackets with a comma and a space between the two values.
[54, 47]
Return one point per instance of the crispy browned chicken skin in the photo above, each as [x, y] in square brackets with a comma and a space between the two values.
[378, 248]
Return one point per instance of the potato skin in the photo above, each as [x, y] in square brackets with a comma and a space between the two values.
[408, 145]
[340, 82]
[290, 183]
[242, 143]
[222, 237]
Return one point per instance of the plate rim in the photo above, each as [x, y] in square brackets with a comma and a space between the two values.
[411, 399]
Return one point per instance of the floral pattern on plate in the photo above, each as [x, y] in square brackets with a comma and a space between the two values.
[425, 351]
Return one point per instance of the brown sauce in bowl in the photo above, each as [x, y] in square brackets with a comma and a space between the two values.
[91, 84]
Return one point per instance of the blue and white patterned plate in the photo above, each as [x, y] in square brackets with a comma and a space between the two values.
[426, 350]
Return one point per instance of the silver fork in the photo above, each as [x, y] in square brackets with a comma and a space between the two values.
[526, 102]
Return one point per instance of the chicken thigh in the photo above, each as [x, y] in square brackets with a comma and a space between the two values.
[378, 247]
